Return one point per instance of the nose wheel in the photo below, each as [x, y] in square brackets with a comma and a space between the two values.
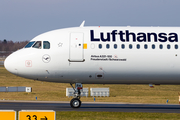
[75, 103]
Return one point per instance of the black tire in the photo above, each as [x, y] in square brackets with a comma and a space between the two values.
[75, 103]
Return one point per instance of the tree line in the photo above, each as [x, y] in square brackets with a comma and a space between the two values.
[6, 47]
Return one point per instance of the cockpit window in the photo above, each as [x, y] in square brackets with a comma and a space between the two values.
[29, 44]
[37, 45]
[46, 45]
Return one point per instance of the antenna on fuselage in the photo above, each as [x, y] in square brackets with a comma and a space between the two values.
[82, 24]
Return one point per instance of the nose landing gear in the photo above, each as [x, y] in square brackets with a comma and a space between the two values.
[75, 102]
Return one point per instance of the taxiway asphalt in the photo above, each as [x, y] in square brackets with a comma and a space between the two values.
[89, 106]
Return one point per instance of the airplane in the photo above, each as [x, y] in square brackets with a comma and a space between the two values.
[100, 55]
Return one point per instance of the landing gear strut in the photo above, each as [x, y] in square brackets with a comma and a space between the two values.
[75, 102]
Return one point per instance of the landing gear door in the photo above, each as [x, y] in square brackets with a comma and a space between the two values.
[76, 53]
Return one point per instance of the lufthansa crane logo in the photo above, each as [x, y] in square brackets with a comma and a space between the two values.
[46, 58]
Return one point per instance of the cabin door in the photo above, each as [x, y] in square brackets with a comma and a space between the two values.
[76, 53]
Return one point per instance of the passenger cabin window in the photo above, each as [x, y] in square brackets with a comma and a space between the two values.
[29, 44]
[46, 45]
[130, 46]
[161, 46]
[145, 46]
[37, 45]
[115, 46]
[153, 46]
[176, 46]
[168, 46]
[100, 46]
[138, 46]
[122, 46]
[107, 46]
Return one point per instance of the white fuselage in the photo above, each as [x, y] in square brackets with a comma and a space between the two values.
[102, 55]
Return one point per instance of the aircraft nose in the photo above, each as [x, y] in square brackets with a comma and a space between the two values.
[11, 63]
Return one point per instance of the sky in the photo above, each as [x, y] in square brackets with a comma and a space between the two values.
[22, 20]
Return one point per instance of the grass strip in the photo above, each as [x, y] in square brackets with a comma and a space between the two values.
[49, 91]
[76, 115]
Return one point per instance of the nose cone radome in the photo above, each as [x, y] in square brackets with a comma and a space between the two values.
[11, 63]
